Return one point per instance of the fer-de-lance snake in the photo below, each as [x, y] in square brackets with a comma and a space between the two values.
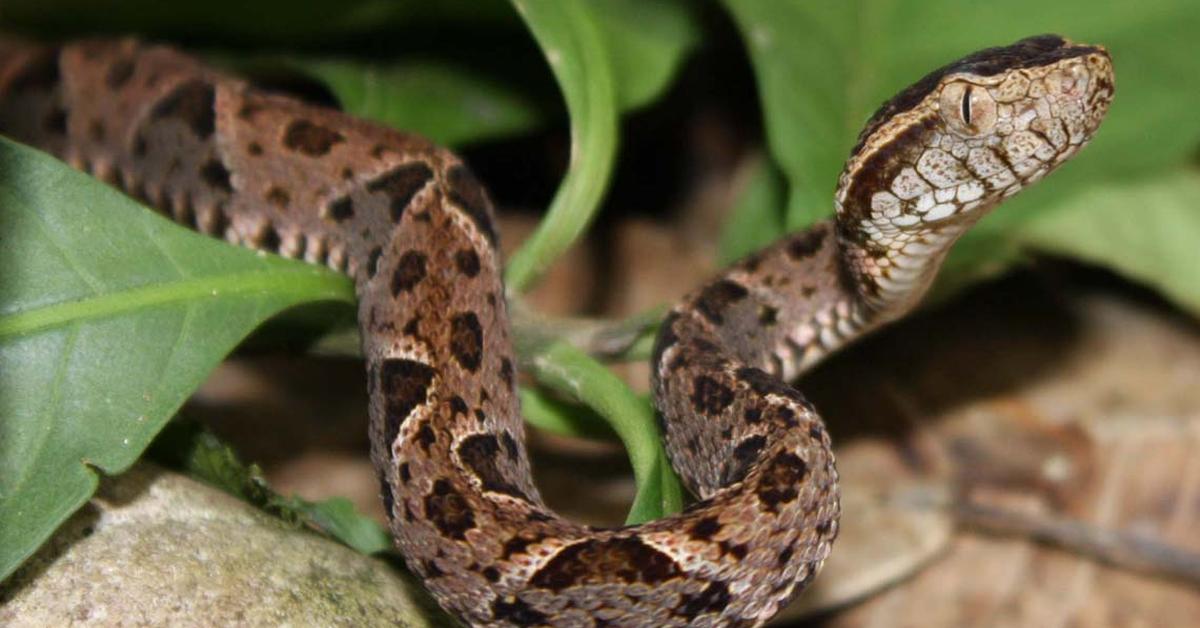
[412, 226]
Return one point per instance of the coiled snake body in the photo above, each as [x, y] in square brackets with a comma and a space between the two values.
[415, 230]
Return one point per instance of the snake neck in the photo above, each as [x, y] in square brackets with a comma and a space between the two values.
[889, 269]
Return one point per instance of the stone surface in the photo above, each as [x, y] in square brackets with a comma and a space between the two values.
[154, 548]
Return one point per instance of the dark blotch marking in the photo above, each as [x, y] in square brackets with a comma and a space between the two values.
[425, 436]
[341, 209]
[738, 551]
[781, 479]
[506, 372]
[466, 340]
[248, 110]
[823, 528]
[389, 500]
[625, 560]
[41, 73]
[480, 453]
[710, 396]
[458, 407]
[479, 415]
[704, 529]
[744, 455]
[55, 122]
[510, 446]
[404, 384]
[467, 262]
[405, 473]
[517, 612]
[805, 245]
[432, 570]
[216, 175]
[518, 545]
[220, 222]
[400, 185]
[713, 599]
[767, 315]
[268, 238]
[96, 130]
[119, 73]
[410, 270]
[373, 261]
[192, 103]
[311, 139]
[783, 414]
[413, 327]
[278, 197]
[752, 415]
[466, 192]
[447, 509]
[254, 148]
[763, 384]
[717, 296]
[492, 574]
[785, 556]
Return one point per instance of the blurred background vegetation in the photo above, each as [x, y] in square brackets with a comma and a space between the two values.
[575, 109]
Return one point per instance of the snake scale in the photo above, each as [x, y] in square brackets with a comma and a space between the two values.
[415, 230]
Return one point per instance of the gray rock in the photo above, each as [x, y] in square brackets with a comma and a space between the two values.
[156, 548]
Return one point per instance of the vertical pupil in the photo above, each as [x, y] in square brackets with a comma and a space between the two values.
[966, 105]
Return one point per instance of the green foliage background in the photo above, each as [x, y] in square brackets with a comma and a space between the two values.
[110, 316]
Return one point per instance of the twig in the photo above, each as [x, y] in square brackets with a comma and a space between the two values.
[1121, 549]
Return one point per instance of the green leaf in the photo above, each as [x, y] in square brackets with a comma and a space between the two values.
[338, 518]
[1148, 230]
[757, 218]
[548, 412]
[647, 41]
[110, 316]
[570, 37]
[823, 67]
[572, 373]
[447, 103]
[191, 448]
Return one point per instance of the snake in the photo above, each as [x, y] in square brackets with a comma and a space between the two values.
[416, 231]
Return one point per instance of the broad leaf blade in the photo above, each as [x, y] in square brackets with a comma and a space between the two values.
[1148, 230]
[447, 104]
[647, 41]
[109, 317]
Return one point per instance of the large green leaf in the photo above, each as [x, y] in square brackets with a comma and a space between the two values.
[445, 102]
[110, 316]
[823, 67]
[1147, 229]
[647, 40]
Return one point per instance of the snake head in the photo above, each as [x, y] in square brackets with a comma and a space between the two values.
[955, 143]
[942, 153]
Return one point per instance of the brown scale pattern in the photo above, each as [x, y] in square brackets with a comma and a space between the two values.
[414, 228]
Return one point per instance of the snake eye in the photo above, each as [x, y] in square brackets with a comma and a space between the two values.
[967, 109]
